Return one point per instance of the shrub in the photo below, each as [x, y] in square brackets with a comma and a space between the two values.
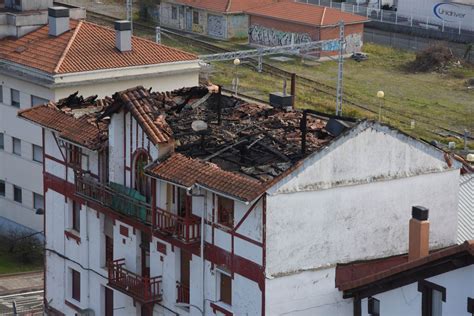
[436, 57]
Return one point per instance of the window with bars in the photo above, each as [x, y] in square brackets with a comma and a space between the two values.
[195, 17]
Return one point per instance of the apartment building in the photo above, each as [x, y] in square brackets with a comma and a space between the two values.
[52, 61]
[191, 202]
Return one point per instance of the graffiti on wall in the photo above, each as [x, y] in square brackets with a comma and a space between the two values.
[353, 43]
[197, 28]
[270, 37]
[216, 26]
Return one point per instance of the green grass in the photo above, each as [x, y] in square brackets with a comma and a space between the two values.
[10, 265]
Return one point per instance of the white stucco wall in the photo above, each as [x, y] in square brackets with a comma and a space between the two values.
[306, 293]
[360, 189]
[406, 300]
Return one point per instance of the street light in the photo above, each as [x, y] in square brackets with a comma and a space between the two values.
[380, 95]
[235, 81]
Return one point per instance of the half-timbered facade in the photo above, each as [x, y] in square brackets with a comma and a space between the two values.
[192, 202]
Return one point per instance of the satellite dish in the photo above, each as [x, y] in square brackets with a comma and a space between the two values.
[199, 126]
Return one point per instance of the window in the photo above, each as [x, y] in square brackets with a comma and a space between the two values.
[109, 302]
[76, 285]
[76, 216]
[109, 239]
[16, 143]
[2, 188]
[73, 155]
[1, 93]
[38, 201]
[225, 291]
[37, 100]
[470, 305]
[2, 144]
[37, 153]
[373, 307]
[195, 17]
[432, 298]
[15, 96]
[225, 211]
[174, 13]
[17, 194]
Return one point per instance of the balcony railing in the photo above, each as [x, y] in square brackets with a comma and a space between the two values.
[143, 289]
[116, 197]
[182, 293]
[186, 229]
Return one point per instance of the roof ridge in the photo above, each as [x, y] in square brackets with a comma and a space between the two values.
[69, 44]
[229, 4]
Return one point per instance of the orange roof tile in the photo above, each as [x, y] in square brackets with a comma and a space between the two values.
[303, 13]
[86, 47]
[187, 171]
[225, 6]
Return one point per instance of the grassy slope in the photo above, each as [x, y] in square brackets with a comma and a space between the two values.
[8, 265]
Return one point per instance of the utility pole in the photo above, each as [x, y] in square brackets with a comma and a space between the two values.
[129, 8]
[340, 73]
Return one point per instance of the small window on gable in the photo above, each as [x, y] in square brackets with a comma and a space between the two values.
[225, 211]
[73, 156]
[195, 17]
[174, 13]
[432, 298]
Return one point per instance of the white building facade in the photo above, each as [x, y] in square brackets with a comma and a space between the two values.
[129, 203]
[38, 67]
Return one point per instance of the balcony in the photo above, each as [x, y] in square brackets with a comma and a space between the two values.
[120, 199]
[187, 229]
[182, 293]
[131, 203]
[143, 289]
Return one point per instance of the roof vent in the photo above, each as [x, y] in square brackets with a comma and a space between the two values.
[336, 127]
[123, 35]
[58, 20]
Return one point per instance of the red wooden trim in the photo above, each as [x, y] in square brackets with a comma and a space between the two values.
[131, 150]
[153, 203]
[161, 247]
[246, 214]
[123, 231]
[70, 234]
[44, 216]
[250, 240]
[71, 305]
[59, 147]
[217, 308]
[124, 148]
[54, 159]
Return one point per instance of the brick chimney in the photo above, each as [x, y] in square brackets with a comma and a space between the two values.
[58, 20]
[419, 233]
[123, 35]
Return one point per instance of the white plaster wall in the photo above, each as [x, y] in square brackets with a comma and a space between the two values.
[127, 247]
[373, 217]
[406, 300]
[306, 293]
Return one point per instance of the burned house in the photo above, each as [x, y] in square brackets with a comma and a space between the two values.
[194, 202]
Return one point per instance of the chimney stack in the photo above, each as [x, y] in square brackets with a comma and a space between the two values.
[419, 233]
[58, 20]
[123, 35]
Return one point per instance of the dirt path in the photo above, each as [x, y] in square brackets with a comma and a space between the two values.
[21, 282]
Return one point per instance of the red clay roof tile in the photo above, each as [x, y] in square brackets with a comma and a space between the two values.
[86, 47]
[225, 6]
[303, 13]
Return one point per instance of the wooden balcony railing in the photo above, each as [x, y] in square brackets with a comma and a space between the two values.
[116, 197]
[182, 293]
[186, 229]
[143, 289]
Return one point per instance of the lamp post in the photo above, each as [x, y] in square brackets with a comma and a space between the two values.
[380, 95]
[235, 81]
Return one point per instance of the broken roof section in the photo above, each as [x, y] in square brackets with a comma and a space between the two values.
[251, 144]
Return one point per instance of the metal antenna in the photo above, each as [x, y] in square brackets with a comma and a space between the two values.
[340, 73]
[129, 5]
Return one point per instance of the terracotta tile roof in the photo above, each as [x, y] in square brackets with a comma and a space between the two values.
[140, 103]
[86, 47]
[467, 247]
[186, 171]
[82, 131]
[303, 13]
[225, 6]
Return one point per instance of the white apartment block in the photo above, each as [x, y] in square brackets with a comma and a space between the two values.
[48, 56]
[191, 202]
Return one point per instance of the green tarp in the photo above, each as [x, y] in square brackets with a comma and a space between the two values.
[128, 206]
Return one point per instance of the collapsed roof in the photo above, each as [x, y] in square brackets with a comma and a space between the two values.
[222, 136]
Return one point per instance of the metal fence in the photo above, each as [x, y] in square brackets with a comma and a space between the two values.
[393, 17]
